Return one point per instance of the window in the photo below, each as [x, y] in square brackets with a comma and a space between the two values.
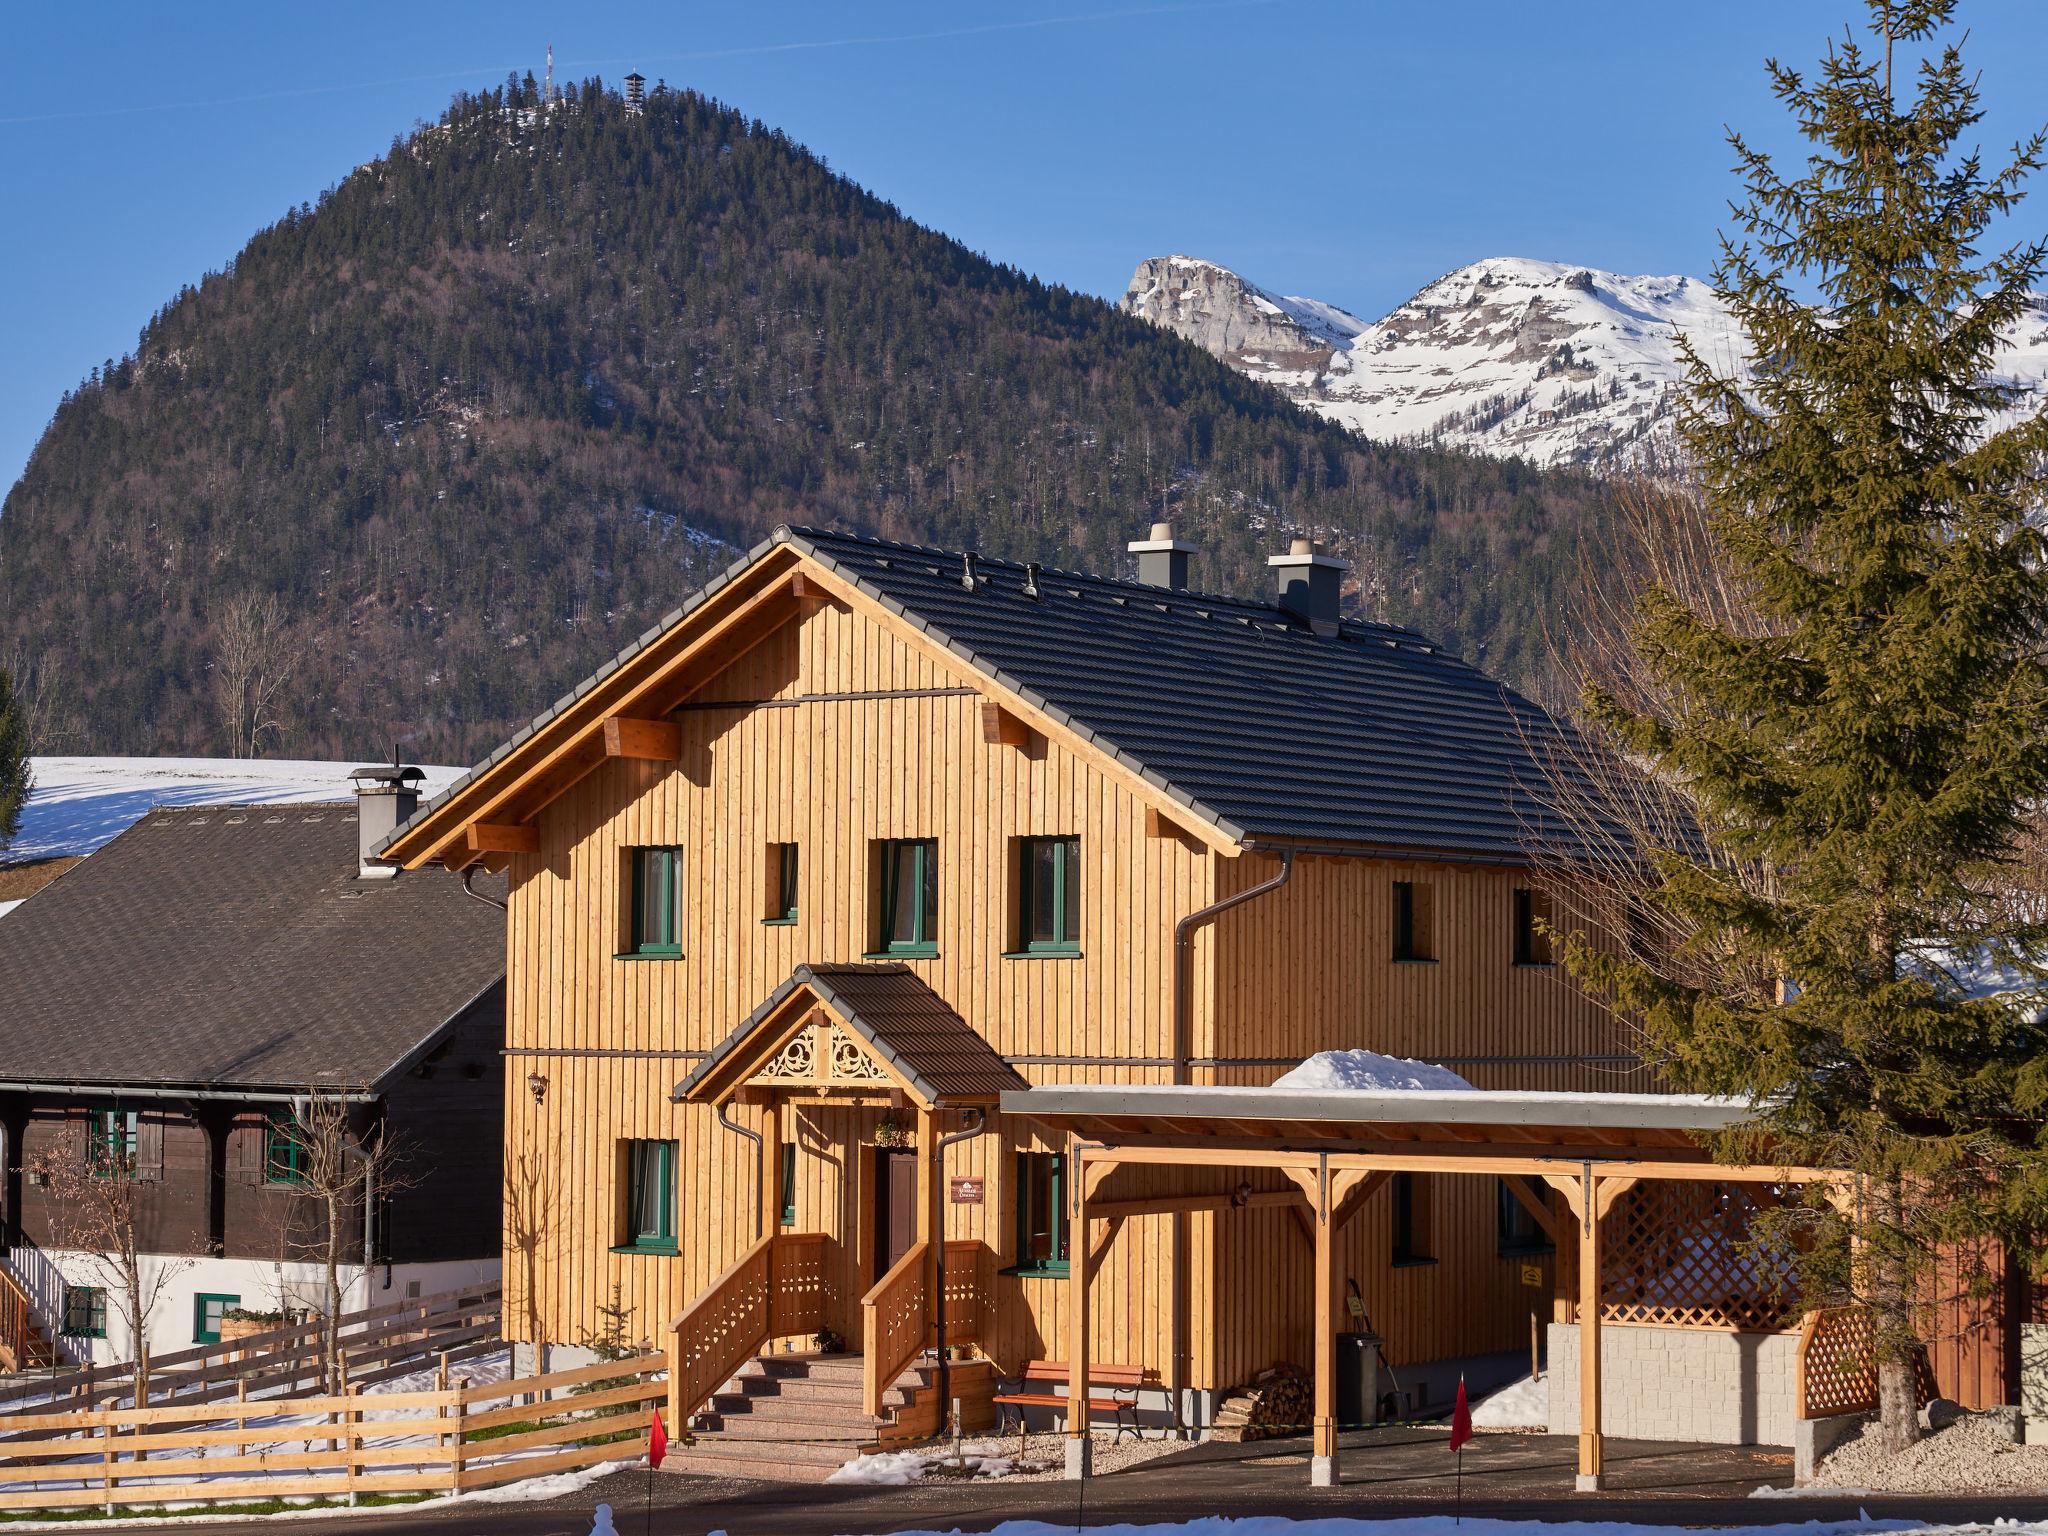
[789, 1183]
[1041, 1213]
[650, 1196]
[111, 1139]
[656, 925]
[1532, 915]
[1049, 895]
[1414, 921]
[910, 898]
[85, 1312]
[1518, 1229]
[207, 1308]
[284, 1153]
[1412, 1244]
[782, 888]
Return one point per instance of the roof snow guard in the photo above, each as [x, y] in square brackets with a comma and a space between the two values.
[1257, 724]
[859, 1030]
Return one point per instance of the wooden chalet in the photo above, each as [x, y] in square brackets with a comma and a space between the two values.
[902, 946]
[170, 1007]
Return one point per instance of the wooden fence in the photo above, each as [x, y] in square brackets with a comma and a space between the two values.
[337, 1447]
[378, 1344]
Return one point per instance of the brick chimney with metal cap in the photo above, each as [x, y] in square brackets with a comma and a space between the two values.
[1310, 584]
[1162, 559]
[386, 795]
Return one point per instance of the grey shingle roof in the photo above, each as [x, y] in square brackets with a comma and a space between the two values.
[910, 1026]
[1233, 707]
[232, 946]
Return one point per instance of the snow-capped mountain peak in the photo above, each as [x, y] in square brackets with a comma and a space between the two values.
[1558, 363]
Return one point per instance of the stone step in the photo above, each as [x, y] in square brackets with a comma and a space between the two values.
[781, 1463]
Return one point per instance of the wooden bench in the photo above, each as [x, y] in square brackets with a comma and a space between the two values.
[1043, 1384]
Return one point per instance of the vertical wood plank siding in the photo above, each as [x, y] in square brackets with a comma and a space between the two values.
[802, 756]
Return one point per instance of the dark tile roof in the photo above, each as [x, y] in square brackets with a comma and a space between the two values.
[910, 1026]
[1374, 736]
[232, 946]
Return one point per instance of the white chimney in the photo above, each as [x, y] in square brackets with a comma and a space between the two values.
[386, 796]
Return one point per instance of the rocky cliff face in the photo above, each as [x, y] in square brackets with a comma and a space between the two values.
[1555, 363]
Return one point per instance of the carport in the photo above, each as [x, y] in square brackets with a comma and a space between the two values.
[1337, 1148]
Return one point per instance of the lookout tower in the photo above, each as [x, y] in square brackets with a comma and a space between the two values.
[636, 93]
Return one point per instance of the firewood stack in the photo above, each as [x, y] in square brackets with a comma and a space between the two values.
[1274, 1402]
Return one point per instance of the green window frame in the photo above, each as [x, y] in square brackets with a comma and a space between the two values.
[1041, 1214]
[784, 866]
[1532, 945]
[1049, 896]
[656, 918]
[112, 1139]
[789, 1183]
[1516, 1231]
[284, 1153]
[85, 1312]
[910, 898]
[207, 1307]
[650, 1224]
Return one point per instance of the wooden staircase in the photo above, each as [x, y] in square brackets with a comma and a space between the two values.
[25, 1344]
[799, 1417]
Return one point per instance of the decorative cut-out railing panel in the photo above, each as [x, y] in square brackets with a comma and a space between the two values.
[1679, 1255]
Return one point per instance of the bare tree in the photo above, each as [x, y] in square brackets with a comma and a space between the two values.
[343, 1161]
[100, 1200]
[256, 649]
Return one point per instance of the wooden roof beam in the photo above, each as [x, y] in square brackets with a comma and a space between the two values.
[1000, 728]
[647, 741]
[502, 837]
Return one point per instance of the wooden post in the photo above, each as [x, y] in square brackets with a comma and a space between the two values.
[1591, 1451]
[456, 1443]
[1323, 1462]
[350, 1416]
[927, 1214]
[1080, 1449]
[241, 1410]
[771, 1172]
[107, 1458]
[441, 1386]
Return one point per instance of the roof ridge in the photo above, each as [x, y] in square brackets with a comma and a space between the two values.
[1152, 592]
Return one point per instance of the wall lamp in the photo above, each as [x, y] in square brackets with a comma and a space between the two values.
[537, 1085]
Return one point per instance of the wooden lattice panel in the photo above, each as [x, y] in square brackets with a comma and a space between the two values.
[1675, 1256]
[1837, 1367]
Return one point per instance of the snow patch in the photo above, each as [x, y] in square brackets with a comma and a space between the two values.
[1524, 1404]
[80, 803]
[1369, 1072]
[1447, 1525]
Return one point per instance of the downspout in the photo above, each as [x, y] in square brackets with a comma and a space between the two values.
[965, 1133]
[760, 1152]
[1183, 1031]
[474, 894]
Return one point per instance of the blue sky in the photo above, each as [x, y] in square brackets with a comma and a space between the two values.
[1352, 150]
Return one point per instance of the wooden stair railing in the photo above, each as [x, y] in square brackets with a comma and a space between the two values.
[962, 1282]
[777, 1288]
[23, 1344]
[896, 1322]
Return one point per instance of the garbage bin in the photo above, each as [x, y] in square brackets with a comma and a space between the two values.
[1358, 1380]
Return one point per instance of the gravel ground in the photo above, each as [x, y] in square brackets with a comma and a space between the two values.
[1970, 1456]
[1045, 1455]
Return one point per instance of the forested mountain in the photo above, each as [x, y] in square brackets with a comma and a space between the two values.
[433, 447]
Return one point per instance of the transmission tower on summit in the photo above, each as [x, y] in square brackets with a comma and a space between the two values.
[547, 89]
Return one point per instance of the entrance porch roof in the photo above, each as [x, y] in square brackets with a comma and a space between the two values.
[854, 1029]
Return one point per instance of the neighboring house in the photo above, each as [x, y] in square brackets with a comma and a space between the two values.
[171, 1007]
[878, 887]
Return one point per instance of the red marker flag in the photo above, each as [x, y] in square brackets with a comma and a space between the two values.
[657, 1439]
[1461, 1418]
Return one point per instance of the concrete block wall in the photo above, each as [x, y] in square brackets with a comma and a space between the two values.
[1680, 1384]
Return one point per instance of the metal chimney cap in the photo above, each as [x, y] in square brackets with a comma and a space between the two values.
[389, 773]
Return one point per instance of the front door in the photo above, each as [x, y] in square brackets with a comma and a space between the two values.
[895, 1206]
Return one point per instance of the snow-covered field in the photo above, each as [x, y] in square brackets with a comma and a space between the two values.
[79, 803]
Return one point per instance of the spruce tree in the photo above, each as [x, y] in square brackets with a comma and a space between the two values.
[1860, 765]
[15, 775]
